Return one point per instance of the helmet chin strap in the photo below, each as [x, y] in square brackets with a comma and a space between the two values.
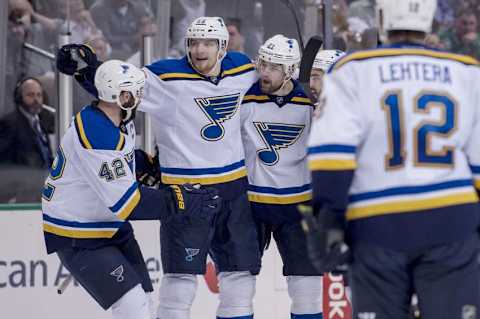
[285, 81]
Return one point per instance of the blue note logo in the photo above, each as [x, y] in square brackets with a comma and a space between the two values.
[191, 252]
[130, 159]
[217, 109]
[276, 136]
[125, 68]
[118, 273]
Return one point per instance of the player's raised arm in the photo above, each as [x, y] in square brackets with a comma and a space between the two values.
[79, 61]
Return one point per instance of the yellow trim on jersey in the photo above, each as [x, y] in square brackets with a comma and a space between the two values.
[265, 199]
[394, 52]
[238, 69]
[121, 142]
[83, 136]
[165, 76]
[248, 98]
[128, 208]
[205, 180]
[331, 164]
[78, 233]
[476, 182]
[405, 206]
[301, 99]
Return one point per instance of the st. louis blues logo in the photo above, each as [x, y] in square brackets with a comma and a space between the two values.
[217, 109]
[276, 136]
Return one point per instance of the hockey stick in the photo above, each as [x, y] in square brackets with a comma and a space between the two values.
[291, 7]
[308, 56]
[63, 286]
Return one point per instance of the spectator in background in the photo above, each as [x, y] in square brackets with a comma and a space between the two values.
[123, 22]
[236, 41]
[24, 132]
[364, 10]
[444, 17]
[187, 10]
[463, 37]
[21, 62]
[78, 21]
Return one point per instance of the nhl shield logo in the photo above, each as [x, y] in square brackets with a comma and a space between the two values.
[280, 100]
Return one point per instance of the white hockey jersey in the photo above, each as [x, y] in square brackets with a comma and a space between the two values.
[275, 131]
[196, 120]
[407, 120]
[91, 188]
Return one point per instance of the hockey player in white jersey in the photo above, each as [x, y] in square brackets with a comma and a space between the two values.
[194, 105]
[91, 194]
[321, 64]
[395, 159]
[276, 116]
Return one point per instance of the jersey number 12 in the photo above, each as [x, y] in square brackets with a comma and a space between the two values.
[423, 155]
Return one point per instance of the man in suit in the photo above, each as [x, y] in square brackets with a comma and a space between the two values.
[24, 132]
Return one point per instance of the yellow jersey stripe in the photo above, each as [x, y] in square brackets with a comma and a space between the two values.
[332, 164]
[405, 206]
[238, 69]
[128, 208]
[83, 136]
[248, 98]
[78, 233]
[121, 142]
[476, 182]
[180, 76]
[166, 179]
[301, 99]
[394, 52]
[265, 199]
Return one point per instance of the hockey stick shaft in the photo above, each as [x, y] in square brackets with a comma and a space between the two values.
[291, 7]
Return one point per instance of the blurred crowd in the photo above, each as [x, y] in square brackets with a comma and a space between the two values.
[114, 28]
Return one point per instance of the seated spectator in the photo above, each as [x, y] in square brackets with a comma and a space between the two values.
[123, 22]
[21, 62]
[463, 37]
[24, 132]
[236, 41]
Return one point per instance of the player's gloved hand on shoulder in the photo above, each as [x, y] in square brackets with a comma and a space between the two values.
[147, 168]
[326, 245]
[194, 204]
[73, 57]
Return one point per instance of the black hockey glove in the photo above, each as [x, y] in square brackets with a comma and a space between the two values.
[325, 240]
[147, 168]
[73, 57]
[193, 204]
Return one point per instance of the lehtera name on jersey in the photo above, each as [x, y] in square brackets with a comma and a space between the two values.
[414, 71]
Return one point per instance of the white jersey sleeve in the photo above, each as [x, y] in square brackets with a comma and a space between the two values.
[108, 173]
[154, 93]
[341, 126]
[472, 145]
